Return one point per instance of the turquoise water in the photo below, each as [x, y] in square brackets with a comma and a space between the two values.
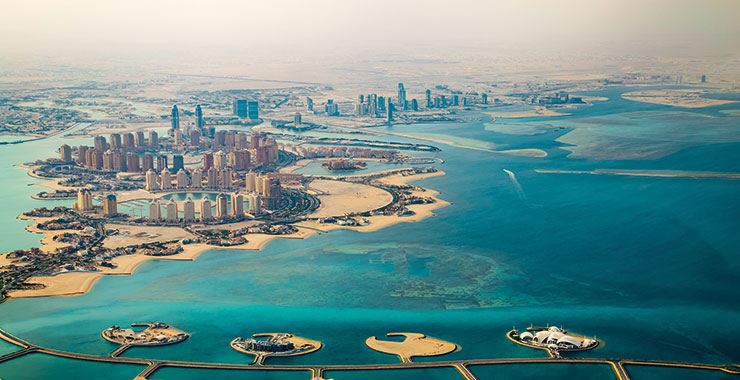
[546, 371]
[637, 372]
[38, 366]
[422, 373]
[649, 265]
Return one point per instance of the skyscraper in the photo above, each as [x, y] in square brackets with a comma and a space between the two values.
[181, 179]
[132, 162]
[199, 124]
[206, 212]
[237, 204]
[255, 206]
[177, 163]
[239, 107]
[401, 96]
[147, 162]
[65, 153]
[297, 119]
[253, 110]
[110, 205]
[309, 104]
[155, 210]
[84, 200]
[175, 118]
[389, 111]
[151, 180]
[153, 139]
[429, 98]
[197, 178]
[165, 180]
[221, 209]
[99, 142]
[171, 210]
[188, 210]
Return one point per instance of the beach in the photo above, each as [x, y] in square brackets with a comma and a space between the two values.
[338, 199]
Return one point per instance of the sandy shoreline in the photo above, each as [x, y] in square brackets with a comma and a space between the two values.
[686, 98]
[78, 283]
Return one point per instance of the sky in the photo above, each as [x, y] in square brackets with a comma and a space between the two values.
[330, 26]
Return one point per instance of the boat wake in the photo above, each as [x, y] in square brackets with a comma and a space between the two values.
[514, 181]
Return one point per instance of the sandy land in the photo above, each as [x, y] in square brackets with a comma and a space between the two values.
[48, 245]
[646, 173]
[131, 235]
[414, 345]
[339, 198]
[78, 283]
[687, 98]
[529, 152]
[52, 184]
[537, 111]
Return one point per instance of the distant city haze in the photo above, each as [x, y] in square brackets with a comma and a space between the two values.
[339, 27]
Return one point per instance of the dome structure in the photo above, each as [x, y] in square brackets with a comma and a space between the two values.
[568, 341]
[527, 336]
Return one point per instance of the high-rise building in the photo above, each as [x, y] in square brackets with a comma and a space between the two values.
[153, 139]
[65, 153]
[188, 210]
[414, 105]
[401, 96]
[132, 162]
[181, 179]
[177, 163]
[221, 210]
[206, 212]
[703, 79]
[165, 180]
[237, 204]
[297, 119]
[253, 110]
[178, 137]
[254, 141]
[197, 178]
[220, 160]
[82, 154]
[199, 124]
[212, 178]
[195, 137]
[309, 104]
[171, 211]
[331, 108]
[429, 98]
[219, 138]
[100, 144]
[207, 160]
[251, 182]
[389, 111]
[242, 140]
[110, 205]
[108, 160]
[115, 141]
[151, 180]
[484, 98]
[84, 200]
[255, 204]
[175, 117]
[230, 139]
[227, 178]
[128, 141]
[119, 162]
[139, 139]
[239, 108]
[147, 162]
[155, 210]
[162, 162]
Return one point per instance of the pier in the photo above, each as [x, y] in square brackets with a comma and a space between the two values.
[462, 366]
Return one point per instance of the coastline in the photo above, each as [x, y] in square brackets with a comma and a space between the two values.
[78, 283]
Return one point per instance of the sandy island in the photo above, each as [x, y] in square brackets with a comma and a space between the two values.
[338, 198]
[687, 98]
[537, 111]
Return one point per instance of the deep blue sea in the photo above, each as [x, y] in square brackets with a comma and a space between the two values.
[649, 265]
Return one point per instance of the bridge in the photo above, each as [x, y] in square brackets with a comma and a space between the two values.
[317, 371]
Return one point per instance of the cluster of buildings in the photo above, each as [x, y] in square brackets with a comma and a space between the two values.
[308, 151]
[270, 345]
[207, 213]
[556, 339]
[555, 99]
[344, 164]
[376, 106]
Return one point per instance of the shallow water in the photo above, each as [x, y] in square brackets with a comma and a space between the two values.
[649, 265]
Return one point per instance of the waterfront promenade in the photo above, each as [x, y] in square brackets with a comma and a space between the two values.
[317, 371]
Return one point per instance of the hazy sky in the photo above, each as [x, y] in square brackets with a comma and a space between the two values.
[631, 26]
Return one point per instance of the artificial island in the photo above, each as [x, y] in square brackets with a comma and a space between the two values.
[285, 344]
